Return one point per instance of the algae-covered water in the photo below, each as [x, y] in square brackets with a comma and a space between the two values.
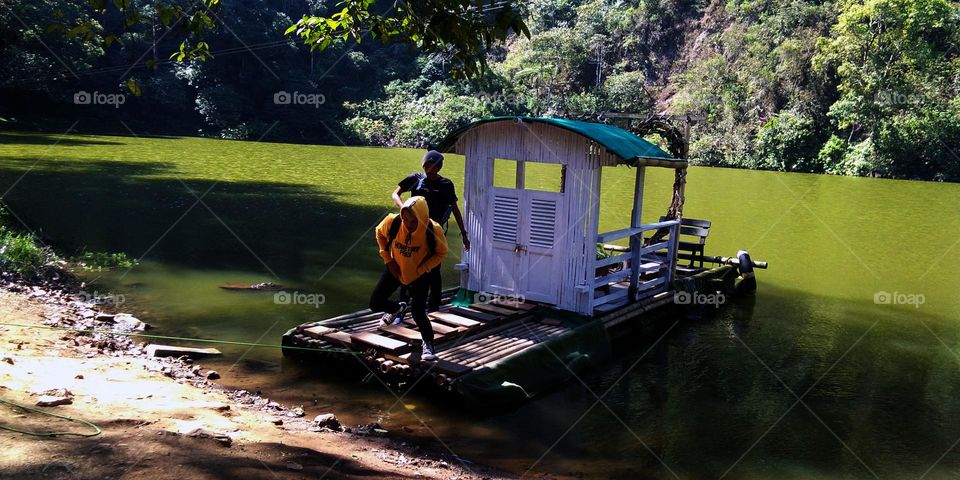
[846, 364]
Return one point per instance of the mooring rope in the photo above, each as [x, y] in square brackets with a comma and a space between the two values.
[183, 339]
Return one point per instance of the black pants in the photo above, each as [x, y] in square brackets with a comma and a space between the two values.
[380, 300]
[436, 291]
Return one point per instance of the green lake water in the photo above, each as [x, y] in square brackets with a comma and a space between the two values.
[879, 382]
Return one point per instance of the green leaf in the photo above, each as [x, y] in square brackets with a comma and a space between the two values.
[73, 32]
[133, 86]
[166, 15]
[133, 19]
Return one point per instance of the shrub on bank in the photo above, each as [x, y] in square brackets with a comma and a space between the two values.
[21, 253]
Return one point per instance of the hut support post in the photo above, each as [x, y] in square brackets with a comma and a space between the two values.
[677, 213]
[635, 220]
[636, 241]
[593, 227]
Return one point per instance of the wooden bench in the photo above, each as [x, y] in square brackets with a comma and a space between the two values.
[690, 247]
[692, 250]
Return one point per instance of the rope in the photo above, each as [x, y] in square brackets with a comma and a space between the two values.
[184, 339]
[96, 429]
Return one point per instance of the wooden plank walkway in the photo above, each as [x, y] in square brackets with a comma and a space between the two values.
[467, 338]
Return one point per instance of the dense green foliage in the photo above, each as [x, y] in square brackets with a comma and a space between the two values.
[852, 88]
[898, 71]
[844, 87]
[20, 252]
[462, 30]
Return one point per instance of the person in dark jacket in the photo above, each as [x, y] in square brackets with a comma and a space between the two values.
[442, 199]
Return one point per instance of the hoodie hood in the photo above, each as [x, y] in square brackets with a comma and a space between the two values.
[418, 205]
[412, 251]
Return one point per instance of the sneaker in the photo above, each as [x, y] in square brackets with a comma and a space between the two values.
[394, 318]
[427, 355]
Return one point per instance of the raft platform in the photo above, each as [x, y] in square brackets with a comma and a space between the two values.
[490, 353]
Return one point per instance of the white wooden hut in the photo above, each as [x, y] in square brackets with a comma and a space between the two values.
[538, 240]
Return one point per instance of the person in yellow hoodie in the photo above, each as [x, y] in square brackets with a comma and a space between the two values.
[411, 245]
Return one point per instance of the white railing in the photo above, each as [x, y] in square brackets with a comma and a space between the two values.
[649, 268]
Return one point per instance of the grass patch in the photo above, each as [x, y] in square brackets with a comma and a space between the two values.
[21, 253]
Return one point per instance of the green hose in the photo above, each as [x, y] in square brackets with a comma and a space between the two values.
[96, 429]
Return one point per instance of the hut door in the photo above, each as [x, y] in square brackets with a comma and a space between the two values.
[541, 229]
[524, 227]
[504, 260]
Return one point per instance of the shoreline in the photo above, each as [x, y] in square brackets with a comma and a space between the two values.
[164, 415]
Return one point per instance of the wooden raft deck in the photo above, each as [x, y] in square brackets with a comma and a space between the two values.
[467, 338]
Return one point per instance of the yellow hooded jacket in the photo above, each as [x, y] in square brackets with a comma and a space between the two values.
[410, 249]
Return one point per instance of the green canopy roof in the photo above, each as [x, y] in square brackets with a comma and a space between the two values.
[630, 148]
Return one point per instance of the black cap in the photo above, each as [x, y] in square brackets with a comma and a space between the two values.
[432, 156]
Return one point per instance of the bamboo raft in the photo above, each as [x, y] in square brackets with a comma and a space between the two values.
[479, 338]
[468, 338]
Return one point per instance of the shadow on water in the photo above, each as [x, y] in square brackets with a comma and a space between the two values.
[292, 230]
[34, 139]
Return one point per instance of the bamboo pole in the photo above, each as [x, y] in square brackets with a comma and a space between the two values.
[473, 349]
[500, 354]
